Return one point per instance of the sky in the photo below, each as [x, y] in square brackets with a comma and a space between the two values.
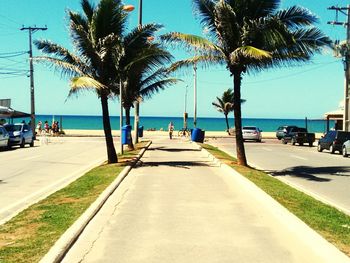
[308, 90]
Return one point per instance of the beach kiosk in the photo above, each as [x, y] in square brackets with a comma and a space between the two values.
[337, 116]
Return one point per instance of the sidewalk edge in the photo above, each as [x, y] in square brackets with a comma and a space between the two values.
[66, 241]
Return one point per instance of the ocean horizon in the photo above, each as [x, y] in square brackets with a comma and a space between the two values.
[87, 122]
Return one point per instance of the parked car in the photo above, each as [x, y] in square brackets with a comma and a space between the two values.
[300, 136]
[4, 137]
[283, 130]
[251, 133]
[346, 148]
[333, 141]
[20, 134]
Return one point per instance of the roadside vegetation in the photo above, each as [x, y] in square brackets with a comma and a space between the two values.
[28, 236]
[329, 222]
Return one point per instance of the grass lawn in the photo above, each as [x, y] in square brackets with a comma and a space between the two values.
[28, 236]
[331, 223]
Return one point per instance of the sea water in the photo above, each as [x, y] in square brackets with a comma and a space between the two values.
[157, 123]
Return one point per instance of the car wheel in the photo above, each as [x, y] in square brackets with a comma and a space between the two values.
[331, 149]
[311, 144]
[22, 143]
[259, 140]
[301, 143]
[345, 153]
[319, 148]
[292, 141]
[284, 141]
[32, 143]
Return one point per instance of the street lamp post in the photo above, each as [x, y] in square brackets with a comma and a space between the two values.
[126, 8]
[137, 103]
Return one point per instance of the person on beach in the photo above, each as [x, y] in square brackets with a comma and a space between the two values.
[38, 127]
[171, 129]
[46, 127]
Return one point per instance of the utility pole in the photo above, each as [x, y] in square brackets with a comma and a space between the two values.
[344, 50]
[32, 30]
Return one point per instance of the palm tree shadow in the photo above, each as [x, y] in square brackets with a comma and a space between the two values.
[178, 164]
[313, 173]
[173, 149]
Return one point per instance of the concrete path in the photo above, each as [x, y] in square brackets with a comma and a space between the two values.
[181, 207]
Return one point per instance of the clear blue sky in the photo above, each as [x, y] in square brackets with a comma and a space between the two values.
[306, 90]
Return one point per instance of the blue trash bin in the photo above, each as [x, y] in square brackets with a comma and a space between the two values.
[197, 135]
[126, 134]
[140, 131]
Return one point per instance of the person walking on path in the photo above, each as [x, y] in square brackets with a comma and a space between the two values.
[185, 208]
[171, 130]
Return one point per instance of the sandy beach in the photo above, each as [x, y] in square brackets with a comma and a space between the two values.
[116, 133]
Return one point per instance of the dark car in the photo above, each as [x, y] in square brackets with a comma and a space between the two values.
[283, 130]
[300, 136]
[333, 141]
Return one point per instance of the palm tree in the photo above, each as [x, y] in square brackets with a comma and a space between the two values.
[248, 36]
[142, 67]
[95, 36]
[225, 105]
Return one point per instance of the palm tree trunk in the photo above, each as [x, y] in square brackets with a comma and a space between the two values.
[241, 157]
[136, 121]
[127, 121]
[111, 153]
[228, 127]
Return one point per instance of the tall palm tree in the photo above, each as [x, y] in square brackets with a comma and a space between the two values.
[225, 105]
[247, 36]
[142, 67]
[95, 35]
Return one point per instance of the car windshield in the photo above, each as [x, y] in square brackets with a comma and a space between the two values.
[249, 128]
[13, 128]
[344, 136]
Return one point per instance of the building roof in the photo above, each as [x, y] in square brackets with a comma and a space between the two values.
[7, 112]
[334, 115]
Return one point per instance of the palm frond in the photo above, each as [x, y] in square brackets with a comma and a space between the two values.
[296, 16]
[155, 87]
[249, 52]
[190, 42]
[203, 60]
[66, 69]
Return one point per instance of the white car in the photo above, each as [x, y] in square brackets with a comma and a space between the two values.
[4, 137]
[346, 148]
[20, 134]
[251, 133]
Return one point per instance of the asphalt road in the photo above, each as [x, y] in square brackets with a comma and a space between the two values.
[29, 174]
[323, 175]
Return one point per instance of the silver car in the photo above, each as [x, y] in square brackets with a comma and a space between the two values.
[20, 134]
[346, 148]
[4, 137]
[251, 133]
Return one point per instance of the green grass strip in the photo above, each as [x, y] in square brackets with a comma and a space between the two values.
[329, 222]
[28, 236]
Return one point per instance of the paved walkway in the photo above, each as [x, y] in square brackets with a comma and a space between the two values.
[178, 206]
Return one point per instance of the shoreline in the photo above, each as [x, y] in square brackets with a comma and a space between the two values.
[116, 133]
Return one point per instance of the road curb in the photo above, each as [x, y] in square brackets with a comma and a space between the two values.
[66, 241]
[295, 224]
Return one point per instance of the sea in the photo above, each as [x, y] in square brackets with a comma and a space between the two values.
[84, 122]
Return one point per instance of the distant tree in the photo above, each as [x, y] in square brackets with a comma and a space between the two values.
[248, 36]
[225, 105]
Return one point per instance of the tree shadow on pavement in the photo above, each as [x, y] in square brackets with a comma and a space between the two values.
[178, 164]
[312, 173]
[173, 149]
